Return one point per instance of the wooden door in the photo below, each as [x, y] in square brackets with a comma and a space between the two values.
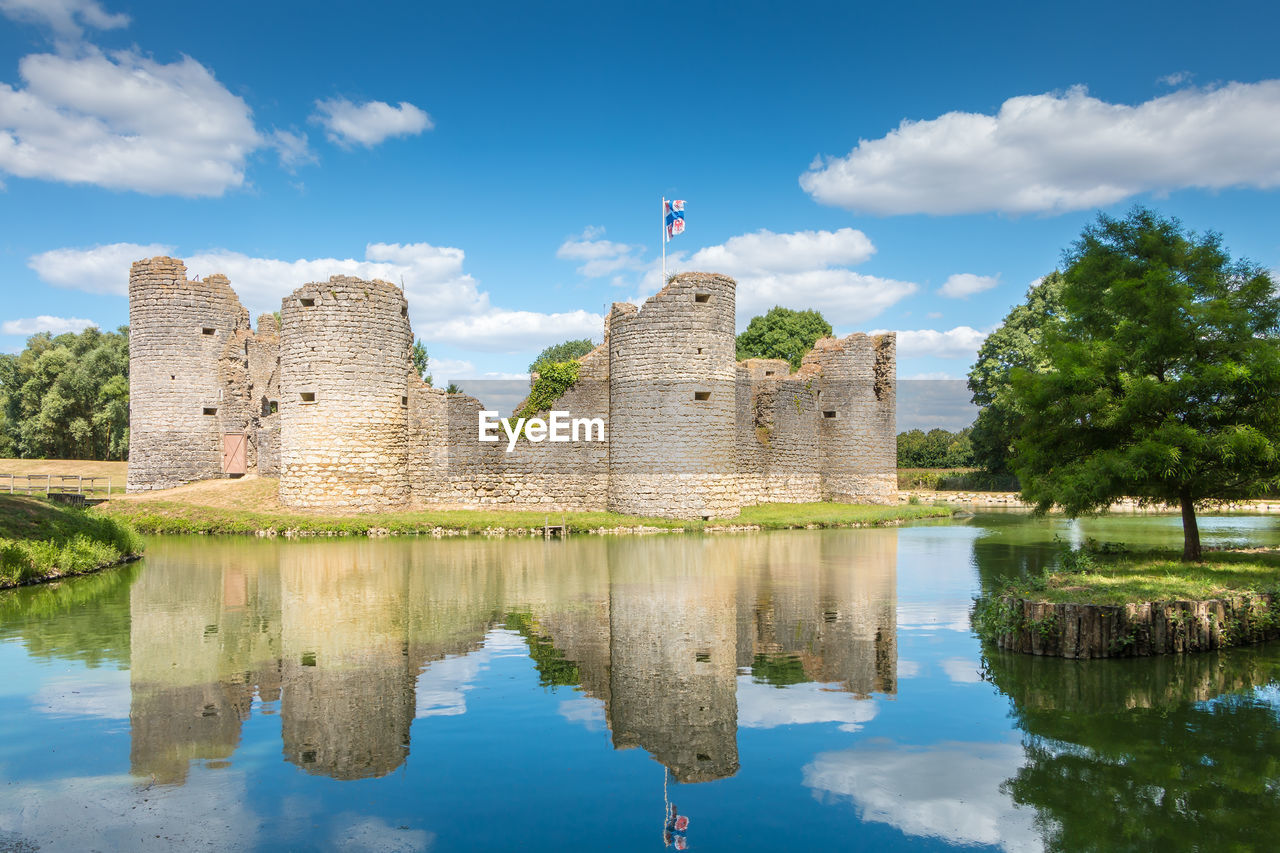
[234, 453]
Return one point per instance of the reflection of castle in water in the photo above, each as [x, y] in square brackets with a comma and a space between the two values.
[658, 630]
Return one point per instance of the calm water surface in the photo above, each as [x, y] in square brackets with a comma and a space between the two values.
[784, 691]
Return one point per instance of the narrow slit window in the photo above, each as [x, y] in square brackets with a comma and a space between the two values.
[768, 373]
[699, 350]
[404, 311]
[702, 297]
[211, 410]
[702, 396]
[404, 402]
[829, 413]
[275, 407]
[306, 302]
[307, 397]
[206, 331]
[702, 657]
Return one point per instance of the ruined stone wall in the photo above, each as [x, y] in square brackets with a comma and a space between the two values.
[186, 367]
[451, 467]
[344, 395]
[856, 386]
[672, 408]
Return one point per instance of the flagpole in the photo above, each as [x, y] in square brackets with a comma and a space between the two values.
[663, 283]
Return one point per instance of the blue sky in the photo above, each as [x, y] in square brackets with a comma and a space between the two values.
[506, 160]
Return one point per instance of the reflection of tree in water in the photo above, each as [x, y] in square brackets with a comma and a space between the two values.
[1149, 754]
[84, 619]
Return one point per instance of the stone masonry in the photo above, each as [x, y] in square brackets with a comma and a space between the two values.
[327, 399]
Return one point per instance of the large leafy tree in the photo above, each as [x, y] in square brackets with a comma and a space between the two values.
[1013, 345]
[782, 333]
[67, 397]
[1161, 378]
[562, 352]
[936, 448]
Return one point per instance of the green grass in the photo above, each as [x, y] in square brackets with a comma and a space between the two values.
[41, 540]
[1137, 578]
[161, 516]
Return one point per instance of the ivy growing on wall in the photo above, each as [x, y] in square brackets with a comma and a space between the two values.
[552, 382]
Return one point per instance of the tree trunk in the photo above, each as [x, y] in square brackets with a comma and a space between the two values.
[1190, 530]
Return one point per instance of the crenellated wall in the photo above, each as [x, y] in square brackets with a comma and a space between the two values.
[328, 400]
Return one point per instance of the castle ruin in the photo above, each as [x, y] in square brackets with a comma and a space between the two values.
[327, 399]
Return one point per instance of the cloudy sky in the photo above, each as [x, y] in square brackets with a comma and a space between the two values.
[903, 166]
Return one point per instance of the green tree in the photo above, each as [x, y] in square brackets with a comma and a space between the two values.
[938, 448]
[782, 333]
[1162, 379]
[1013, 345]
[420, 360]
[67, 396]
[561, 352]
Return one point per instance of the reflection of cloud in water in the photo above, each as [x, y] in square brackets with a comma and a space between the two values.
[763, 706]
[586, 710]
[961, 670]
[372, 834]
[908, 669]
[101, 693]
[950, 791]
[442, 684]
[114, 813]
[933, 616]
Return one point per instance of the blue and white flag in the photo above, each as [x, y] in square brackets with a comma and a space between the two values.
[675, 218]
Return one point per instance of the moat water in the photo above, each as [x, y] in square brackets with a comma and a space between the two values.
[808, 690]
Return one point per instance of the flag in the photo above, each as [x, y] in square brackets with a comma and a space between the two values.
[675, 218]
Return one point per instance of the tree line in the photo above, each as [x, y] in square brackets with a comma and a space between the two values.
[66, 397]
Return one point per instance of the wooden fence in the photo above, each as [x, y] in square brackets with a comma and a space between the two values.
[55, 484]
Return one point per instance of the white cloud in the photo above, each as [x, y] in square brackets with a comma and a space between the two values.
[44, 323]
[799, 270]
[125, 122]
[947, 616]
[1177, 78]
[600, 257]
[445, 304]
[292, 148]
[950, 791]
[370, 123]
[102, 269]
[67, 18]
[499, 330]
[960, 342]
[586, 710]
[965, 284]
[1057, 152]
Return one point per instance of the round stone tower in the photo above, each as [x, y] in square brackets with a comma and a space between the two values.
[185, 354]
[672, 434]
[344, 395]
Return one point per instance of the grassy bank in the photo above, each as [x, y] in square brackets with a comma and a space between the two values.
[1087, 578]
[954, 480]
[40, 540]
[250, 507]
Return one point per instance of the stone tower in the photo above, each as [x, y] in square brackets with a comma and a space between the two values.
[856, 402]
[187, 358]
[672, 438]
[344, 395]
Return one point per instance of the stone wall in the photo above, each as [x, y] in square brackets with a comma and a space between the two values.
[344, 395]
[672, 406]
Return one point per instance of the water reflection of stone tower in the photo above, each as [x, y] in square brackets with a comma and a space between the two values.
[195, 663]
[348, 679]
[829, 602]
[344, 395]
[673, 688]
[672, 440]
